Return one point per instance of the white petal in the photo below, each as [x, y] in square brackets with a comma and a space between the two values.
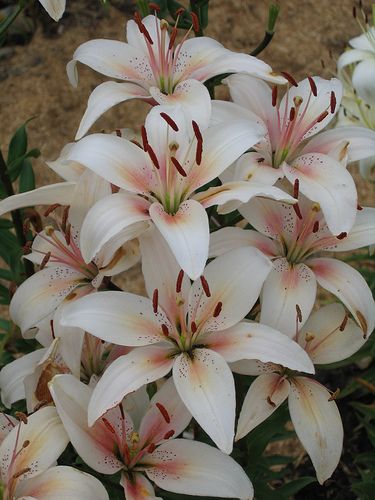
[187, 234]
[326, 181]
[363, 78]
[190, 467]
[104, 97]
[138, 487]
[349, 286]
[352, 56]
[68, 170]
[229, 238]
[55, 8]
[127, 374]
[362, 234]
[317, 423]
[264, 396]
[206, 386]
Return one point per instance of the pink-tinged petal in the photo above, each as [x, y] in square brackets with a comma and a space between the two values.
[126, 374]
[13, 374]
[206, 386]
[355, 142]
[94, 445]
[111, 261]
[254, 167]
[7, 423]
[55, 8]
[118, 317]
[324, 180]
[248, 340]
[287, 286]
[222, 145]
[349, 286]
[136, 39]
[117, 160]
[155, 426]
[253, 367]
[47, 440]
[41, 294]
[231, 195]
[117, 215]
[137, 487]
[190, 467]
[193, 96]
[264, 396]
[68, 170]
[362, 234]
[329, 335]
[47, 195]
[62, 482]
[187, 234]
[229, 238]
[161, 272]
[111, 58]
[235, 279]
[317, 423]
[307, 114]
[362, 80]
[104, 97]
[223, 111]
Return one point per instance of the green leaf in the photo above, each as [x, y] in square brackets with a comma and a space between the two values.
[18, 144]
[5, 224]
[293, 487]
[27, 177]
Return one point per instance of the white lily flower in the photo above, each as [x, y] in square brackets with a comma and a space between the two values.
[55, 8]
[138, 437]
[292, 242]
[293, 148]
[328, 336]
[193, 330]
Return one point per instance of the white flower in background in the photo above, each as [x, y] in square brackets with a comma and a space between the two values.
[55, 8]
[327, 336]
[192, 329]
[158, 70]
[294, 244]
[137, 437]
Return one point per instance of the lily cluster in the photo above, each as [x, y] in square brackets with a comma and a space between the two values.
[131, 197]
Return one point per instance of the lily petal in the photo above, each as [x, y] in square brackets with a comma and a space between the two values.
[362, 80]
[138, 487]
[229, 238]
[55, 8]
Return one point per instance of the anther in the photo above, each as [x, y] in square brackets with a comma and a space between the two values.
[198, 135]
[195, 21]
[297, 210]
[144, 138]
[299, 313]
[179, 11]
[68, 234]
[333, 102]
[334, 395]
[290, 79]
[344, 322]
[165, 330]
[180, 277]
[65, 217]
[197, 131]
[205, 286]
[260, 160]
[21, 472]
[170, 122]
[51, 208]
[153, 157]
[193, 327]
[21, 416]
[292, 113]
[154, 6]
[169, 434]
[26, 226]
[315, 228]
[45, 260]
[354, 11]
[52, 328]
[164, 412]
[342, 235]
[297, 101]
[151, 448]
[321, 117]
[359, 207]
[142, 28]
[178, 166]
[217, 309]
[274, 95]
[118, 132]
[27, 247]
[155, 300]
[108, 425]
[296, 189]
[26, 443]
[172, 38]
[313, 88]
[309, 337]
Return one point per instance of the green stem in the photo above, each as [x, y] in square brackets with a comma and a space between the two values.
[16, 214]
[5, 25]
[263, 44]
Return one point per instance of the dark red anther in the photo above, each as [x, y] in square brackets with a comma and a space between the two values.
[155, 300]
[178, 166]
[205, 286]
[121, 411]
[108, 425]
[151, 448]
[297, 210]
[180, 277]
[142, 28]
[274, 95]
[179, 11]
[314, 90]
[333, 102]
[144, 138]
[26, 226]
[354, 11]
[52, 329]
[170, 122]
[299, 313]
[68, 234]
[321, 116]
[164, 412]
[198, 152]
[342, 235]
[169, 434]
[153, 157]
[21, 472]
[290, 79]
[172, 38]
[118, 132]
[65, 217]
[27, 247]
[197, 131]
[22, 417]
[315, 228]
[260, 160]
[296, 189]
[165, 330]
[359, 207]
[154, 6]
[195, 21]
[193, 327]
[45, 260]
[292, 113]
[217, 309]
[51, 208]
[344, 322]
